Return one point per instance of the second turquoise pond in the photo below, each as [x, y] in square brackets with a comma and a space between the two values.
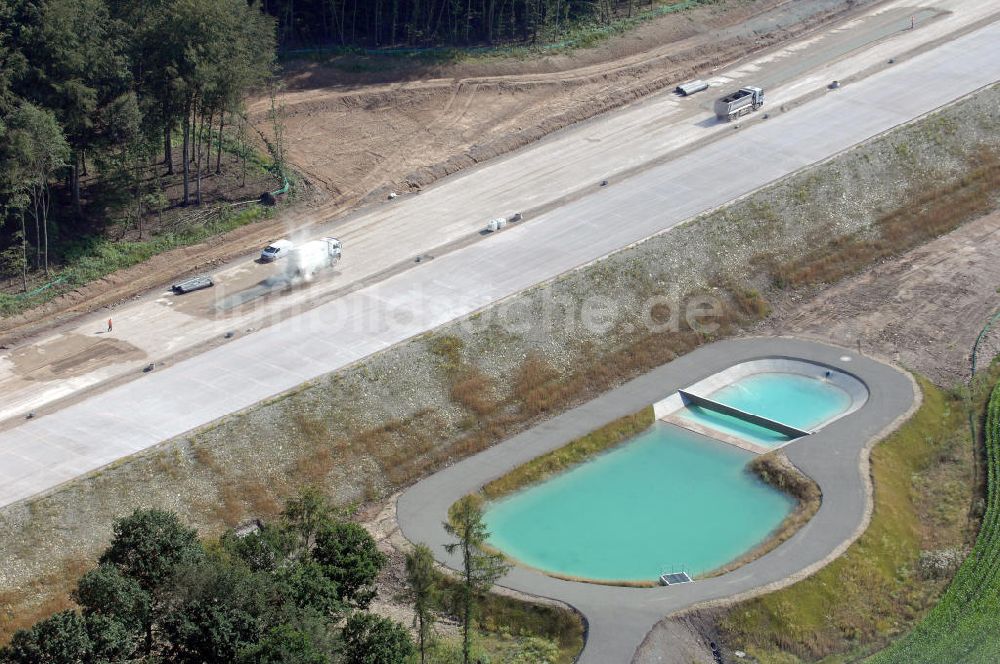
[666, 500]
[799, 401]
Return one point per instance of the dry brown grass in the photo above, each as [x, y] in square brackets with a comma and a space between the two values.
[45, 595]
[474, 390]
[933, 210]
[313, 430]
[206, 459]
[265, 499]
[539, 386]
[314, 464]
[230, 510]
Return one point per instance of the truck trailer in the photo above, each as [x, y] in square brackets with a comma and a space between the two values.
[739, 103]
[305, 260]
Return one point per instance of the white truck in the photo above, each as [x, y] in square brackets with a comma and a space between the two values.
[739, 103]
[305, 260]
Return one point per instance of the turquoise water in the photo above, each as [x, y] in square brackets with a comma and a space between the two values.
[799, 401]
[669, 499]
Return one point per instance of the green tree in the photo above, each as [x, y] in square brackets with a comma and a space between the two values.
[59, 639]
[41, 150]
[285, 644]
[424, 591]
[306, 585]
[15, 198]
[209, 54]
[480, 569]
[372, 639]
[76, 68]
[305, 516]
[112, 641]
[216, 611]
[150, 545]
[350, 557]
[104, 591]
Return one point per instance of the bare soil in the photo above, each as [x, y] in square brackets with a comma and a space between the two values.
[71, 355]
[400, 125]
[923, 310]
[357, 135]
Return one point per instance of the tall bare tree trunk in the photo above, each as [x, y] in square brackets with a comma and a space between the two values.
[139, 163]
[75, 178]
[38, 237]
[24, 254]
[194, 127]
[241, 129]
[187, 141]
[218, 154]
[168, 150]
[197, 163]
[45, 223]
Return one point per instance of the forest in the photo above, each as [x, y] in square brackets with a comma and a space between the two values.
[99, 100]
[380, 23]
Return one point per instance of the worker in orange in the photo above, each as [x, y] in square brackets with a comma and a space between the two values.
[109, 325]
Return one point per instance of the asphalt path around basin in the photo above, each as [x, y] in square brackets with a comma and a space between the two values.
[41, 453]
[619, 618]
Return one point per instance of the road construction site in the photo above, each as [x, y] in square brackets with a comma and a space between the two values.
[387, 238]
[337, 321]
[382, 296]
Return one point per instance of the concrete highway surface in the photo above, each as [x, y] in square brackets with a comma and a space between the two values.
[39, 454]
[79, 359]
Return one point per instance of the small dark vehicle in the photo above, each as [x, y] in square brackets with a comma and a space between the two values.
[192, 284]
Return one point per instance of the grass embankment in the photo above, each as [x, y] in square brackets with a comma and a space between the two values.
[541, 468]
[774, 469]
[894, 571]
[506, 622]
[963, 627]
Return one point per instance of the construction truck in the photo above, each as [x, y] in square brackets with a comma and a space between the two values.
[305, 260]
[739, 103]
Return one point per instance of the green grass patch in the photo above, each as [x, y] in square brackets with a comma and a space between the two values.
[541, 468]
[876, 589]
[963, 625]
[92, 258]
[507, 625]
